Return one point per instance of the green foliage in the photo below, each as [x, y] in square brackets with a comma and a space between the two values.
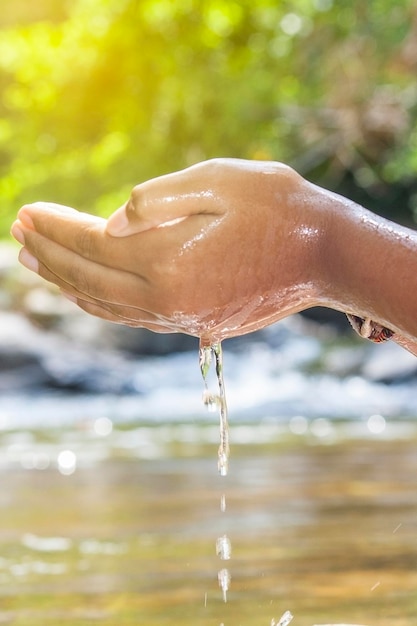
[98, 95]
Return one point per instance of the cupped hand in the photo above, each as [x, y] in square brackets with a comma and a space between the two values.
[219, 249]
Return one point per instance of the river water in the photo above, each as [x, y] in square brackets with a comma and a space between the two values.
[119, 526]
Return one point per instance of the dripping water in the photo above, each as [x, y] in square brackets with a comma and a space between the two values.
[224, 548]
[216, 401]
[224, 552]
[223, 503]
[224, 582]
[285, 619]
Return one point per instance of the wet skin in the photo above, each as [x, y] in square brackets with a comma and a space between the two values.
[223, 248]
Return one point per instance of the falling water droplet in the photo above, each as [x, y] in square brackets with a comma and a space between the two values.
[214, 401]
[224, 548]
[224, 582]
[211, 401]
[284, 621]
[223, 503]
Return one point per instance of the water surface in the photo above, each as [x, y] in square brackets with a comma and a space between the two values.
[323, 524]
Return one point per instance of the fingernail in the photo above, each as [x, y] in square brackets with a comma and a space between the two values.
[25, 219]
[28, 260]
[17, 233]
[118, 223]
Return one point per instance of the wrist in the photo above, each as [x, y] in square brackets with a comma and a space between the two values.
[312, 230]
[369, 266]
[341, 258]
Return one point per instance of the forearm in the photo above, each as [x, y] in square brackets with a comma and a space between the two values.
[369, 265]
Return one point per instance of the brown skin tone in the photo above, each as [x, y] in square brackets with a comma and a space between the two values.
[224, 248]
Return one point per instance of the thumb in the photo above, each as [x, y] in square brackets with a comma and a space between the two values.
[163, 201]
[129, 219]
[121, 223]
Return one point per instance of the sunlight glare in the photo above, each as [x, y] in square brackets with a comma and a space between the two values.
[67, 462]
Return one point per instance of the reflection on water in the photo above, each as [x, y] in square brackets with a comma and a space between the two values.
[323, 525]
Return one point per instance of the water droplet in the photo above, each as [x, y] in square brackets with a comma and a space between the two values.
[224, 548]
[211, 401]
[284, 621]
[223, 503]
[224, 582]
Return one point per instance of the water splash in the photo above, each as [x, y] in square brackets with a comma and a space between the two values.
[216, 401]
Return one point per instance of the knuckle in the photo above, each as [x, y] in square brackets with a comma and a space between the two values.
[79, 279]
[136, 194]
[136, 203]
[215, 165]
[85, 242]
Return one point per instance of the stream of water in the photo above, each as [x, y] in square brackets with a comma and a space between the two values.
[214, 400]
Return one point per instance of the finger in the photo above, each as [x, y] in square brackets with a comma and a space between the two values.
[66, 252]
[123, 312]
[112, 315]
[165, 201]
[80, 233]
[69, 271]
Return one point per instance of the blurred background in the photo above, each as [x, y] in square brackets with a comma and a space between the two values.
[95, 97]
[98, 95]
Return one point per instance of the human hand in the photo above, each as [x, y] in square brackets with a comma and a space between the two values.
[216, 250]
